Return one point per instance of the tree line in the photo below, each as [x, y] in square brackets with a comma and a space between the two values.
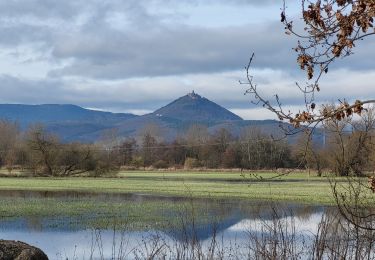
[347, 148]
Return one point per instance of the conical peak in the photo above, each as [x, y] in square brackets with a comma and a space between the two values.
[193, 107]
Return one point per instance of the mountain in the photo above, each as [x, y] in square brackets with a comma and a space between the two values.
[195, 108]
[74, 123]
[50, 113]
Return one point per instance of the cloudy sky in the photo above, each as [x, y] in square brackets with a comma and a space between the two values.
[137, 55]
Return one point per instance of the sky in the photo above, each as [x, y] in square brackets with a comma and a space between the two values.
[138, 55]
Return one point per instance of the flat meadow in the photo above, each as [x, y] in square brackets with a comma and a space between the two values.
[298, 187]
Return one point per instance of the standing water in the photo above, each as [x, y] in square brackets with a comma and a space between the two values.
[71, 225]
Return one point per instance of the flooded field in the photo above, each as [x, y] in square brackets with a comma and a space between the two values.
[126, 226]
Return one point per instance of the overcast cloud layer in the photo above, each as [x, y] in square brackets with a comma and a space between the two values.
[137, 55]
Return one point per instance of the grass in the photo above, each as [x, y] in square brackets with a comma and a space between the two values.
[295, 187]
[90, 213]
[94, 211]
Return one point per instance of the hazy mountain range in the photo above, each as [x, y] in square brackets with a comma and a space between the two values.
[74, 123]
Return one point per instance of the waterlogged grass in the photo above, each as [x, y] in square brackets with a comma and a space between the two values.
[295, 187]
[91, 213]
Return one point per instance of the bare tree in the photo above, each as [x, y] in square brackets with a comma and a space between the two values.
[127, 150]
[350, 143]
[262, 152]
[312, 154]
[48, 156]
[196, 136]
[44, 150]
[9, 137]
[332, 28]
[76, 158]
[148, 149]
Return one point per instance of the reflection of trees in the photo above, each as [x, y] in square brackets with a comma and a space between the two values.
[337, 238]
[304, 213]
[280, 238]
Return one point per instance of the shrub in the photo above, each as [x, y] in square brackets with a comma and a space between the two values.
[160, 164]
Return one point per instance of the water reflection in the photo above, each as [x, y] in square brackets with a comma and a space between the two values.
[82, 244]
[200, 219]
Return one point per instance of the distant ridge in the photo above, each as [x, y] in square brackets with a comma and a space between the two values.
[56, 113]
[74, 123]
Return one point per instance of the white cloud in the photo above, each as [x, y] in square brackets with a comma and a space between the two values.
[138, 112]
[254, 113]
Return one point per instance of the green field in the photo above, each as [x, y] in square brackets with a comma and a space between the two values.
[294, 187]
